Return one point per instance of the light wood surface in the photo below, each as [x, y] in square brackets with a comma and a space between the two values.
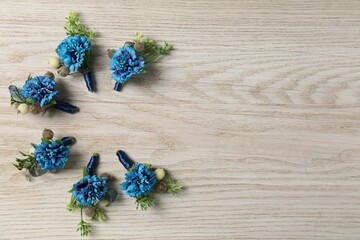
[256, 112]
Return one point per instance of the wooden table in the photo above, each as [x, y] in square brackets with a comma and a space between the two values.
[256, 112]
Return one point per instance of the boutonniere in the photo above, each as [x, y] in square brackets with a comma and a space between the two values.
[90, 195]
[142, 181]
[75, 51]
[48, 156]
[38, 95]
[133, 57]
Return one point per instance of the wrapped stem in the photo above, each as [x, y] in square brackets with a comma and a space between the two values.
[118, 86]
[66, 107]
[124, 159]
[91, 167]
[66, 141]
[89, 81]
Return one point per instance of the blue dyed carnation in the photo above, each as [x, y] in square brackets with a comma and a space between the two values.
[51, 156]
[40, 89]
[72, 51]
[126, 64]
[138, 182]
[90, 190]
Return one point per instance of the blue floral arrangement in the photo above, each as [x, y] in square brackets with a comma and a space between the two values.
[38, 95]
[91, 194]
[132, 58]
[142, 182]
[49, 156]
[74, 52]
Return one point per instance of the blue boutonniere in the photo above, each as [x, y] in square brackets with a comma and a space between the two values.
[142, 182]
[38, 95]
[90, 195]
[133, 57]
[74, 52]
[48, 156]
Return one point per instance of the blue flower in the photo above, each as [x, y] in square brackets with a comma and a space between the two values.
[126, 64]
[40, 89]
[90, 190]
[51, 156]
[72, 51]
[139, 182]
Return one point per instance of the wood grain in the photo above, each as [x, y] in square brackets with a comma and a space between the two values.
[256, 112]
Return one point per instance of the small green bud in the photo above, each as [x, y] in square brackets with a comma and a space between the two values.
[90, 212]
[139, 47]
[49, 75]
[111, 52]
[47, 133]
[161, 187]
[128, 44]
[35, 108]
[63, 71]
[106, 176]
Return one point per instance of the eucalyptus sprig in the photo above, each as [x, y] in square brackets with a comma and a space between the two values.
[74, 27]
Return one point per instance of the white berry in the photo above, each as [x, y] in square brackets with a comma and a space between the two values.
[159, 173]
[23, 108]
[54, 62]
[32, 151]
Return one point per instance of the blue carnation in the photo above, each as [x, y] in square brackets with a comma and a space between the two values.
[72, 51]
[40, 89]
[126, 64]
[51, 156]
[138, 182]
[90, 190]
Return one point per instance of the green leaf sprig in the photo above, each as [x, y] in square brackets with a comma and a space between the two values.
[28, 162]
[74, 27]
[151, 52]
[173, 186]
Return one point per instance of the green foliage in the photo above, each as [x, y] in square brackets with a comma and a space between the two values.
[99, 214]
[144, 202]
[74, 27]
[152, 52]
[84, 227]
[84, 172]
[45, 140]
[28, 162]
[173, 186]
[73, 205]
